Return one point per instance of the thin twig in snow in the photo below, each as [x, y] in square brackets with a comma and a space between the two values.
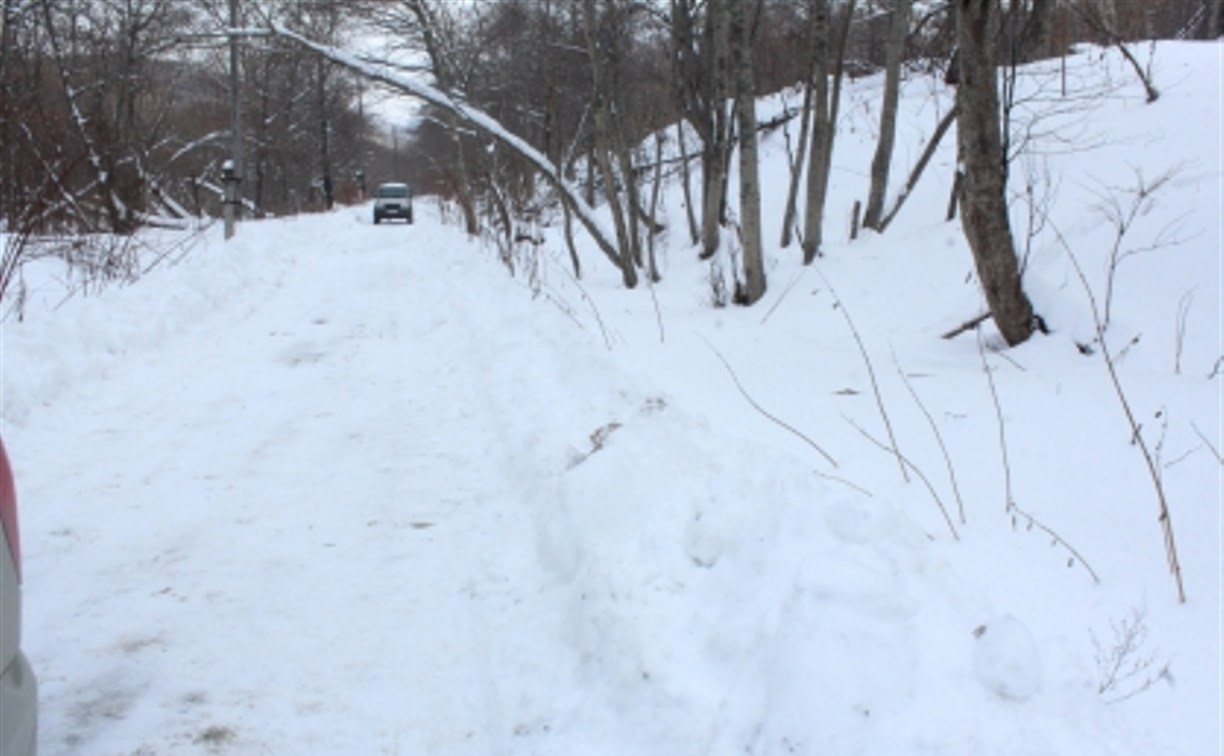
[786, 291]
[960, 503]
[1010, 503]
[875, 385]
[906, 461]
[1166, 520]
[1076, 556]
[1183, 311]
[1210, 446]
[764, 412]
[591, 302]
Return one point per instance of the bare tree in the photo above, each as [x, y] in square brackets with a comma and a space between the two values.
[821, 132]
[625, 233]
[750, 187]
[8, 179]
[817, 65]
[895, 50]
[1213, 26]
[823, 129]
[983, 202]
[440, 48]
[1102, 18]
[717, 126]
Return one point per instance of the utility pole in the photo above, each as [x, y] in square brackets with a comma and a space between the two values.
[235, 113]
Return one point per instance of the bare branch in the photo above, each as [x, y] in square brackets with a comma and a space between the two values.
[921, 476]
[1166, 520]
[960, 503]
[764, 412]
[875, 385]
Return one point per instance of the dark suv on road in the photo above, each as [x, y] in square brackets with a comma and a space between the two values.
[393, 200]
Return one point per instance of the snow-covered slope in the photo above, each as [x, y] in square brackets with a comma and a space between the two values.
[338, 488]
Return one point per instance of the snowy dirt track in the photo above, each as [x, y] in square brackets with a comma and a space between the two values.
[296, 494]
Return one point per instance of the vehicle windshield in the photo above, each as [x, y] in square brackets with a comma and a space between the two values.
[393, 191]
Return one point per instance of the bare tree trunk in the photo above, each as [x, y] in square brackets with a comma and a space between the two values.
[792, 193]
[839, 70]
[817, 174]
[463, 184]
[983, 202]
[898, 29]
[750, 186]
[714, 158]
[445, 78]
[569, 240]
[624, 159]
[603, 149]
[681, 45]
[1103, 19]
[236, 140]
[796, 168]
[8, 179]
[694, 229]
[1036, 29]
[325, 166]
[1149, 88]
[656, 184]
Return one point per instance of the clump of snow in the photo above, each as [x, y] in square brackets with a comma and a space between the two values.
[1005, 658]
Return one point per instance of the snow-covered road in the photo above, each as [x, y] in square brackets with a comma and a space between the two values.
[297, 493]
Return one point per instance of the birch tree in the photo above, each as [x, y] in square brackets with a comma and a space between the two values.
[740, 34]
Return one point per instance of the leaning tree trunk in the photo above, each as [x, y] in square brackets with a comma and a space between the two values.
[750, 185]
[897, 31]
[983, 202]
